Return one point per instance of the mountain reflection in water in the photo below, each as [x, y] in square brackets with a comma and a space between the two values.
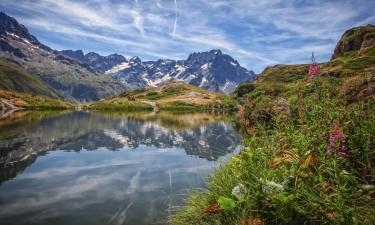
[114, 168]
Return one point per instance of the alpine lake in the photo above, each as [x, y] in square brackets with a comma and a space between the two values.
[107, 167]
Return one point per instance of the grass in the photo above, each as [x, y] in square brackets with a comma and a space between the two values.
[291, 171]
[119, 104]
[323, 189]
[179, 106]
[34, 102]
[174, 96]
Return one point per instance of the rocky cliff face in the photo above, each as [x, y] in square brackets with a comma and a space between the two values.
[71, 78]
[355, 39]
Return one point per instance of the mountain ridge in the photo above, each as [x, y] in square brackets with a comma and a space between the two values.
[211, 70]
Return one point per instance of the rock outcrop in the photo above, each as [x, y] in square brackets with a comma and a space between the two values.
[355, 39]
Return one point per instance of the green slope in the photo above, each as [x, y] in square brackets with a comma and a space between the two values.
[310, 156]
[14, 78]
[171, 96]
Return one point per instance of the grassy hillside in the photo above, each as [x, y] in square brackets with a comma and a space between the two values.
[172, 96]
[310, 158]
[118, 103]
[182, 96]
[14, 78]
[28, 101]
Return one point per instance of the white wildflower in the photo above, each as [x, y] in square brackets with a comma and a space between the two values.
[270, 187]
[239, 191]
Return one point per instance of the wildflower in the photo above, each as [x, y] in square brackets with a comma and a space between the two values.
[339, 134]
[270, 187]
[336, 142]
[329, 151]
[314, 68]
[239, 191]
[343, 151]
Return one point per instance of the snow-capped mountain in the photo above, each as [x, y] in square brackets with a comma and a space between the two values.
[210, 70]
[70, 77]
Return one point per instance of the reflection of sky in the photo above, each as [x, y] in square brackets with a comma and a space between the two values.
[101, 187]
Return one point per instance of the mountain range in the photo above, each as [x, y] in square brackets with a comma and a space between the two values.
[211, 70]
[89, 77]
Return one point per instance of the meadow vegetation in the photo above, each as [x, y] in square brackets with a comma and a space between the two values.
[310, 156]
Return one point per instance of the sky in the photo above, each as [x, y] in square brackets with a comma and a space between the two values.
[257, 33]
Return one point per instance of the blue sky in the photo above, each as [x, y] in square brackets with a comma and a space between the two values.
[257, 33]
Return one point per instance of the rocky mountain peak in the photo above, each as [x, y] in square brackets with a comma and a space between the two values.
[10, 26]
[355, 39]
[204, 57]
[136, 60]
[116, 56]
[99, 62]
[78, 54]
[211, 70]
[216, 52]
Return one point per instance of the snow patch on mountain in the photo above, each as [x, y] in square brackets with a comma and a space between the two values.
[118, 67]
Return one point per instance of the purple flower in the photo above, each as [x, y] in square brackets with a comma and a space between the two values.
[339, 134]
[343, 154]
[343, 151]
[329, 151]
[336, 142]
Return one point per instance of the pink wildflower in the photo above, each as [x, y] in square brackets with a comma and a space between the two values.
[339, 134]
[343, 150]
[336, 142]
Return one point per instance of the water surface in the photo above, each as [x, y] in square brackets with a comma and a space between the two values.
[95, 168]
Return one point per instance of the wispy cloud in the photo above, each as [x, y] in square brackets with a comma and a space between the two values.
[176, 17]
[257, 33]
[137, 20]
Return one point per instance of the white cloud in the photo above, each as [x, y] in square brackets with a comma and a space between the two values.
[253, 31]
[176, 18]
[137, 20]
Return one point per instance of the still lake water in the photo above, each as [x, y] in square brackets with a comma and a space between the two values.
[92, 168]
